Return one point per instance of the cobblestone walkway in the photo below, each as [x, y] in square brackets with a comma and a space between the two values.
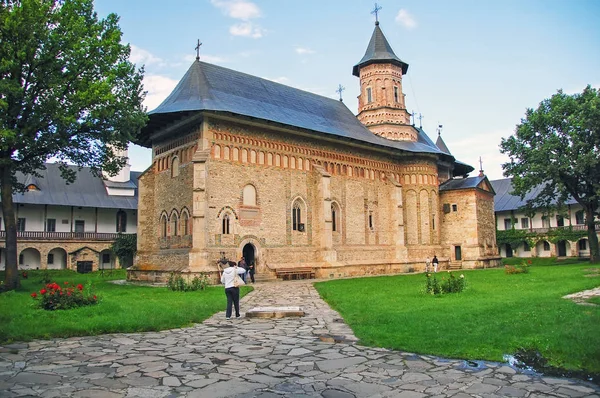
[313, 356]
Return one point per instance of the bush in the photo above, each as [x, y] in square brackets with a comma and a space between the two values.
[177, 283]
[522, 268]
[450, 285]
[54, 297]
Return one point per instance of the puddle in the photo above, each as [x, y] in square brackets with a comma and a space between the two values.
[475, 366]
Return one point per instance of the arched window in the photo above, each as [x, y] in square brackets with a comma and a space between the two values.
[298, 209]
[174, 224]
[185, 223]
[335, 217]
[175, 166]
[121, 221]
[249, 195]
[163, 226]
[226, 225]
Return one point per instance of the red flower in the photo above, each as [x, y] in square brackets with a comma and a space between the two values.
[68, 293]
[34, 294]
[43, 291]
[80, 286]
[95, 298]
[66, 283]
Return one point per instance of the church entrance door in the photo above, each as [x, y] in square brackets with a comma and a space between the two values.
[249, 253]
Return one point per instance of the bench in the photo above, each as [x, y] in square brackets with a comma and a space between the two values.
[295, 273]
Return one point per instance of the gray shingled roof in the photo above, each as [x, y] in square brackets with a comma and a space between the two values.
[207, 87]
[86, 191]
[461, 183]
[379, 51]
[442, 145]
[505, 201]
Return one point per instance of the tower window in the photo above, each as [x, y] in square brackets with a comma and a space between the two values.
[396, 95]
[369, 95]
[225, 229]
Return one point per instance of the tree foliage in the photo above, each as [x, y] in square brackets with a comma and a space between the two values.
[67, 91]
[125, 247]
[557, 147]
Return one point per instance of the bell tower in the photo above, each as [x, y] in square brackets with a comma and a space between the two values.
[381, 105]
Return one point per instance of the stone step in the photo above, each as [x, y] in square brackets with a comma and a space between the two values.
[454, 266]
[265, 277]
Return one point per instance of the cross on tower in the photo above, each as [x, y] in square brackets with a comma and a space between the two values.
[339, 91]
[197, 48]
[376, 11]
[421, 121]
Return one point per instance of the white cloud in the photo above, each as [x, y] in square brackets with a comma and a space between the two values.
[405, 19]
[246, 29]
[487, 145]
[158, 88]
[139, 56]
[304, 50]
[238, 9]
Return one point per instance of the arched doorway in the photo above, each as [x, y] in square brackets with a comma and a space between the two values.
[561, 248]
[249, 253]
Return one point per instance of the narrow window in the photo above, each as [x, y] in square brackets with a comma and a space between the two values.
[225, 230]
[560, 221]
[396, 96]
[121, 221]
[175, 167]
[164, 226]
[174, 224]
[369, 95]
[21, 225]
[51, 225]
[79, 226]
[454, 207]
[296, 217]
[433, 222]
[579, 219]
[50, 258]
[21, 259]
[524, 223]
[583, 244]
[186, 224]
[546, 246]
[371, 220]
[507, 223]
[333, 218]
[545, 222]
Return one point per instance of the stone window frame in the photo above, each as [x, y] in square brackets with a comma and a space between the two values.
[298, 211]
[369, 94]
[164, 225]
[185, 222]
[336, 217]
[226, 227]
[174, 166]
[174, 223]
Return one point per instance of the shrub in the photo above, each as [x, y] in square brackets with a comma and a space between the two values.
[450, 285]
[522, 268]
[56, 297]
[178, 283]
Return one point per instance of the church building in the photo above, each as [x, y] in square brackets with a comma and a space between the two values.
[243, 166]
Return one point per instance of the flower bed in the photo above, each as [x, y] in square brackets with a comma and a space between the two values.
[56, 297]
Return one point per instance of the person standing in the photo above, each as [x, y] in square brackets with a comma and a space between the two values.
[251, 271]
[242, 264]
[427, 264]
[435, 263]
[231, 291]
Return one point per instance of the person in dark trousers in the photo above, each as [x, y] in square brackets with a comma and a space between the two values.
[242, 264]
[251, 271]
[231, 291]
[435, 263]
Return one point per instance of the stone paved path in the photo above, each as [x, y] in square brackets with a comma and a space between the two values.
[290, 357]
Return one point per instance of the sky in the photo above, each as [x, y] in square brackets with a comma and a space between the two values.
[474, 66]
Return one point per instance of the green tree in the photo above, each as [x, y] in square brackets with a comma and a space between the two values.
[557, 147]
[67, 91]
[125, 247]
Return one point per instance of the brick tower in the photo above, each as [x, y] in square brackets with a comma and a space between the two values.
[381, 106]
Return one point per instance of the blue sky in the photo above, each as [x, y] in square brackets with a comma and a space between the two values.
[474, 66]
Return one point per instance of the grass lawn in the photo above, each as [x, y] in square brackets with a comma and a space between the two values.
[496, 314]
[122, 308]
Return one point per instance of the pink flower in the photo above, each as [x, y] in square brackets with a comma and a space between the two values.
[34, 294]
[43, 291]
[80, 286]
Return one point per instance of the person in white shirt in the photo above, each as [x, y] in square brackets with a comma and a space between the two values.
[231, 291]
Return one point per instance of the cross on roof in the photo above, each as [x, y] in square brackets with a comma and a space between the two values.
[339, 91]
[197, 48]
[376, 11]
[420, 121]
